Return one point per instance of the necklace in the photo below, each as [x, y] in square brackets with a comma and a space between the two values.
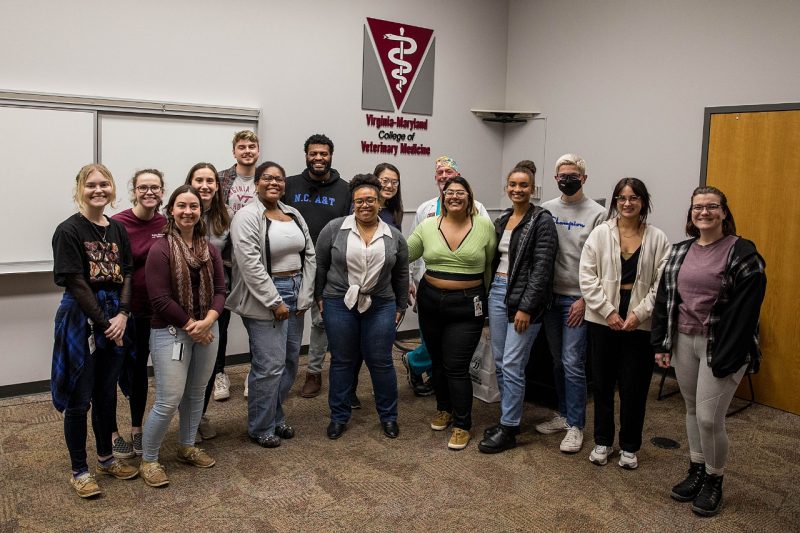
[101, 236]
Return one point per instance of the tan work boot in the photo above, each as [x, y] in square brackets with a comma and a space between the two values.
[312, 386]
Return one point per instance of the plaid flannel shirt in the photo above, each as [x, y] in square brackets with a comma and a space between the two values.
[737, 268]
[226, 179]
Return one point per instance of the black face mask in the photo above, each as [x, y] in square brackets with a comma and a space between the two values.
[569, 186]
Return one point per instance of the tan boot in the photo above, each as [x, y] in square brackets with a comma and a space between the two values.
[312, 386]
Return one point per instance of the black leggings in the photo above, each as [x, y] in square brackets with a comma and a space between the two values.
[452, 332]
[219, 366]
[136, 372]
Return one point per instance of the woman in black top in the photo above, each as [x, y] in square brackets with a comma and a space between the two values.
[92, 260]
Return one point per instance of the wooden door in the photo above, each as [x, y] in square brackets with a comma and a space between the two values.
[754, 157]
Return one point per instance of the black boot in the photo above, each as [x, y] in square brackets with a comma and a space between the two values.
[688, 489]
[501, 440]
[709, 501]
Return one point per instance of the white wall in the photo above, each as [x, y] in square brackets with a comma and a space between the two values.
[625, 83]
[299, 63]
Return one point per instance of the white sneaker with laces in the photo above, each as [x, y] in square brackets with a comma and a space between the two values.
[246, 379]
[573, 441]
[554, 425]
[600, 453]
[222, 387]
[628, 460]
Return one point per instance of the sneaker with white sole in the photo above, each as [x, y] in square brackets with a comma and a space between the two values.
[555, 425]
[222, 387]
[628, 460]
[600, 453]
[122, 449]
[246, 379]
[459, 439]
[573, 441]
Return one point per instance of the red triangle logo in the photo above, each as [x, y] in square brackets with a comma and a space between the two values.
[400, 48]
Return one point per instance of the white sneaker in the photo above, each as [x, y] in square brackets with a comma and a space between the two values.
[222, 387]
[554, 425]
[600, 453]
[246, 379]
[628, 460]
[573, 441]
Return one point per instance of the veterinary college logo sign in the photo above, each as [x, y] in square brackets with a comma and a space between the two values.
[398, 68]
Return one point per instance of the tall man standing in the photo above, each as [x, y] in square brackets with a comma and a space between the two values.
[238, 189]
[418, 361]
[320, 195]
[575, 215]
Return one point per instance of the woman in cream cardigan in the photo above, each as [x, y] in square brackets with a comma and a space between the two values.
[620, 267]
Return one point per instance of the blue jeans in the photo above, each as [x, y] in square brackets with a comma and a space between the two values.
[568, 348]
[511, 353]
[275, 350]
[371, 336]
[180, 386]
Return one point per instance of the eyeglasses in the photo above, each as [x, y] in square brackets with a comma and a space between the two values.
[371, 200]
[266, 178]
[145, 188]
[632, 199]
[698, 208]
[386, 182]
[568, 176]
[449, 193]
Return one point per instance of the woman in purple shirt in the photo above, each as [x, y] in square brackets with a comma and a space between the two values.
[186, 286]
[705, 323]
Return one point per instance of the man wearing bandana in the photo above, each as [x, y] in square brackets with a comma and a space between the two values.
[575, 215]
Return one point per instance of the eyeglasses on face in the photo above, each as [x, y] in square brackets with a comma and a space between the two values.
[698, 208]
[266, 178]
[386, 182]
[568, 177]
[632, 199]
[370, 200]
[450, 193]
[152, 188]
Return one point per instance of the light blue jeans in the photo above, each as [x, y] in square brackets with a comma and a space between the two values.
[568, 348]
[318, 342]
[511, 352]
[180, 386]
[275, 349]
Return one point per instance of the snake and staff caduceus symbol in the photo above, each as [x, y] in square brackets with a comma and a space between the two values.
[406, 46]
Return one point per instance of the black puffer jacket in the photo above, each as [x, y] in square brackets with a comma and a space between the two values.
[532, 253]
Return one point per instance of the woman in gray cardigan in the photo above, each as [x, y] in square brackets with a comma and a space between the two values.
[362, 291]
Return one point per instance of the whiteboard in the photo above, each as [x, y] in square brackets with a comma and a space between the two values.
[172, 145]
[41, 152]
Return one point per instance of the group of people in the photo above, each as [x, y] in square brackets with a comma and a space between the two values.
[251, 241]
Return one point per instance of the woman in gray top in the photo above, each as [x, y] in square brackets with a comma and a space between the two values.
[362, 291]
[217, 216]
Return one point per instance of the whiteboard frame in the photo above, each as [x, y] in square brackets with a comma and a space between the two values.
[100, 106]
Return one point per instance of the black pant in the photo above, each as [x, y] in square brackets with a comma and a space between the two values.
[622, 358]
[451, 331]
[96, 387]
[219, 365]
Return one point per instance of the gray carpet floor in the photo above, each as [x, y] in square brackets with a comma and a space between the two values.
[366, 482]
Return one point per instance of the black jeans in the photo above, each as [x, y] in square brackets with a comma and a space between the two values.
[622, 358]
[136, 370]
[219, 366]
[451, 331]
[96, 387]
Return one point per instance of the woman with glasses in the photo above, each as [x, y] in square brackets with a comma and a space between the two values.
[145, 225]
[217, 217]
[273, 286]
[620, 266]
[92, 261]
[362, 293]
[705, 324]
[186, 286]
[391, 199]
[458, 248]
